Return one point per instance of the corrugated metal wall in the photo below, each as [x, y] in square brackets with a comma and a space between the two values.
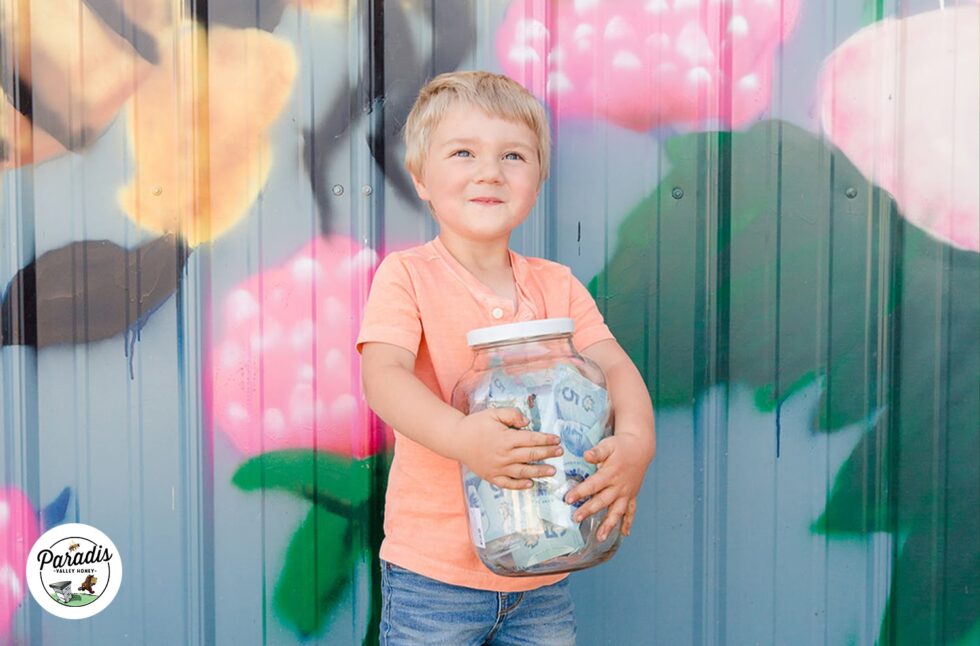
[776, 203]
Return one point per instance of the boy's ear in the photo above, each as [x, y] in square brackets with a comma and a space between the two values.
[419, 187]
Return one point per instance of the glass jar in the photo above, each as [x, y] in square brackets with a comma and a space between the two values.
[534, 367]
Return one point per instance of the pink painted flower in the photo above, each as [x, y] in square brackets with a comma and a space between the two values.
[644, 63]
[286, 375]
[18, 531]
[900, 98]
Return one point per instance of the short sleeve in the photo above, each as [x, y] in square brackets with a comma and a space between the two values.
[589, 325]
[391, 314]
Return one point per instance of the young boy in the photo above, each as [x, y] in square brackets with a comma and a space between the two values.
[478, 152]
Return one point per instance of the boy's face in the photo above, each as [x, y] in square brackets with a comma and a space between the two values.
[480, 174]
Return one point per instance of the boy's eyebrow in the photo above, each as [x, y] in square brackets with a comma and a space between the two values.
[471, 140]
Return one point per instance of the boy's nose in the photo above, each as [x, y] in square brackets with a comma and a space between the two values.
[489, 172]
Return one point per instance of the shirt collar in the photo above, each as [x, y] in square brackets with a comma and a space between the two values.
[518, 265]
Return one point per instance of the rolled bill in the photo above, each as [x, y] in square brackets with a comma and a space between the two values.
[578, 399]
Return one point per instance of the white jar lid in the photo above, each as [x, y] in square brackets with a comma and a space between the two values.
[517, 331]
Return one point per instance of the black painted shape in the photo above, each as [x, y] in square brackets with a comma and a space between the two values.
[395, 59]
[21, 96]
[396, 72]
[18, 309]
[241, 14]
[115, 18]
[454, 33]
[8, 77]
[89, 290]
[198, 11]
[43, 116]
[317, 149]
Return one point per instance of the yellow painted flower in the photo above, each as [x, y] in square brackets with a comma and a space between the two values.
[198, 130]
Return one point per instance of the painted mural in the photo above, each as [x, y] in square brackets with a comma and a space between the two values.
[774, 202]
[647, 64]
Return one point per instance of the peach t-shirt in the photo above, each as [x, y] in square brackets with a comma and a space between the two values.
[422, 299]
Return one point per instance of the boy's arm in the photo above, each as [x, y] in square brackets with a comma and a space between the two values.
[625, 456]
[486, 442]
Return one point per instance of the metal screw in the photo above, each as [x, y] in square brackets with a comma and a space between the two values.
[337, 190]
[851, 193]
[157, 190]
[366, 190]
[677, 193]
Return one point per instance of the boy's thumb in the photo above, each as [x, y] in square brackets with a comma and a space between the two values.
[512, 417]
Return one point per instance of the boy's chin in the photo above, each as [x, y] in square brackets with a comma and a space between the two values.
[498, 231]
[477, 236]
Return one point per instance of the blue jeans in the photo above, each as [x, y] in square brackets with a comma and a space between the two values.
[419, 611]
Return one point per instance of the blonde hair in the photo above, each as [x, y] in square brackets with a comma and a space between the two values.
[495, 94]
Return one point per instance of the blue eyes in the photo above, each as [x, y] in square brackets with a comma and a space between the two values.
[508, 156]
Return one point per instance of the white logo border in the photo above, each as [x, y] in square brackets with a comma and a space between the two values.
[36, 586]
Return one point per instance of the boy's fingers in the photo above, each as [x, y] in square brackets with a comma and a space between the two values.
[530, 438]
[600, 452]
[538, 453]
[594, 483]
[524, 471]
[628, 518]
[511, 417]
[506, 482]
[598, 502]
[616, 512]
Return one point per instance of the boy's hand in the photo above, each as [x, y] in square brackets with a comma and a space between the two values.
[622, 462]
[491, 445]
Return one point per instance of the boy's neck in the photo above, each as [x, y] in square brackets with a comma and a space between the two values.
[480, 258]
[488, 262]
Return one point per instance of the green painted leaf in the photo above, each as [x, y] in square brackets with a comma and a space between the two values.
[343, 526]
[935, 590]
[755, 274]
[971, 638]
[318, 565]
[335, 482]
[374, 510]
[873, 11]
[369, 554]
[857, 504]
[766, 399]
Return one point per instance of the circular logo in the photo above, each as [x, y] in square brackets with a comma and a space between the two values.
[74, 571]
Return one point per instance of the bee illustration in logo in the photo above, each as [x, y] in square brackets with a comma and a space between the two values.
[73, 547]
[88, 584]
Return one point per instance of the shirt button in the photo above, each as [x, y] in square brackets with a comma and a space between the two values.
[496, 312]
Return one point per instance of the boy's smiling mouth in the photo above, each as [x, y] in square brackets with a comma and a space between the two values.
[487, 200]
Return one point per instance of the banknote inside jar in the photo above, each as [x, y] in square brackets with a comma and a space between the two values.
[531, 526]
